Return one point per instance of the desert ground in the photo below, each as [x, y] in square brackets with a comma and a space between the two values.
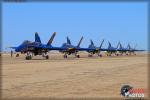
[83, 77]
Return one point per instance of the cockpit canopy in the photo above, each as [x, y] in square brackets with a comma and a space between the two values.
[27, 42]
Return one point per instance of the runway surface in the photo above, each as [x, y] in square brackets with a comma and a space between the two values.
[72, 77]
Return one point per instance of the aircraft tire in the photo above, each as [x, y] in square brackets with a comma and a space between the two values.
[17, 55]
[100, 55]
[47, 57]
[135, 54]
[89, 55]
[65, 56]
[27, 58]
[78, 56]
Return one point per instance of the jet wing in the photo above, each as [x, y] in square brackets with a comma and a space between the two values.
[90, 49]
[85, 49]
[50, 47]
[137, 50]
[57, 48]
[122, 49]
[111, 49]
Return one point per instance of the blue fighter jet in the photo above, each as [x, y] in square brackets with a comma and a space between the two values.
[68, 48]
[92, 49]
[35, 48]
[133, 50]
[112, 50]
[123, 50]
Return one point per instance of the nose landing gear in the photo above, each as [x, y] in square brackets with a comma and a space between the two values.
[28, 57]
[90, 55]
[117, 54]
[77, 55]
[47, 57]
[100, 55]
[17, 55]
[65, 55]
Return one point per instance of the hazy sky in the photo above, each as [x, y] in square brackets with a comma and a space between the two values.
[114, 22]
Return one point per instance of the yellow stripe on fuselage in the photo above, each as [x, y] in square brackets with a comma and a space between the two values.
[97, 49]
[70, 48]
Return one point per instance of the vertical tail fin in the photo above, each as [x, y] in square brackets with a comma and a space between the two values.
[101, 43]
[51, 39]
[37, 38]
[109, 44]
[129, 47]
[80, 42]
[92, 42]
[68, 40]
[118, 44]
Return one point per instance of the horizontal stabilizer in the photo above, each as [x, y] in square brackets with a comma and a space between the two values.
[68, 40]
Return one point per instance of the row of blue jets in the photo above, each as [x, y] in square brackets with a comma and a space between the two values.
[37, 48]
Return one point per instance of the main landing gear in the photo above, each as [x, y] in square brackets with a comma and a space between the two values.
[77, 55]
[130, 53]
[17, 55]
[44, 55]
[108, 54]
[100, 55]
[47, 57]
[28, 57]
[90, 55]
[65, 55]
[121, 54]
[117, 54]
[134, 53]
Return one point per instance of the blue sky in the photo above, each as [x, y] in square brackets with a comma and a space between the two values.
[123, 21]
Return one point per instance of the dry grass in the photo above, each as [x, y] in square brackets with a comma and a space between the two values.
[72, 77]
